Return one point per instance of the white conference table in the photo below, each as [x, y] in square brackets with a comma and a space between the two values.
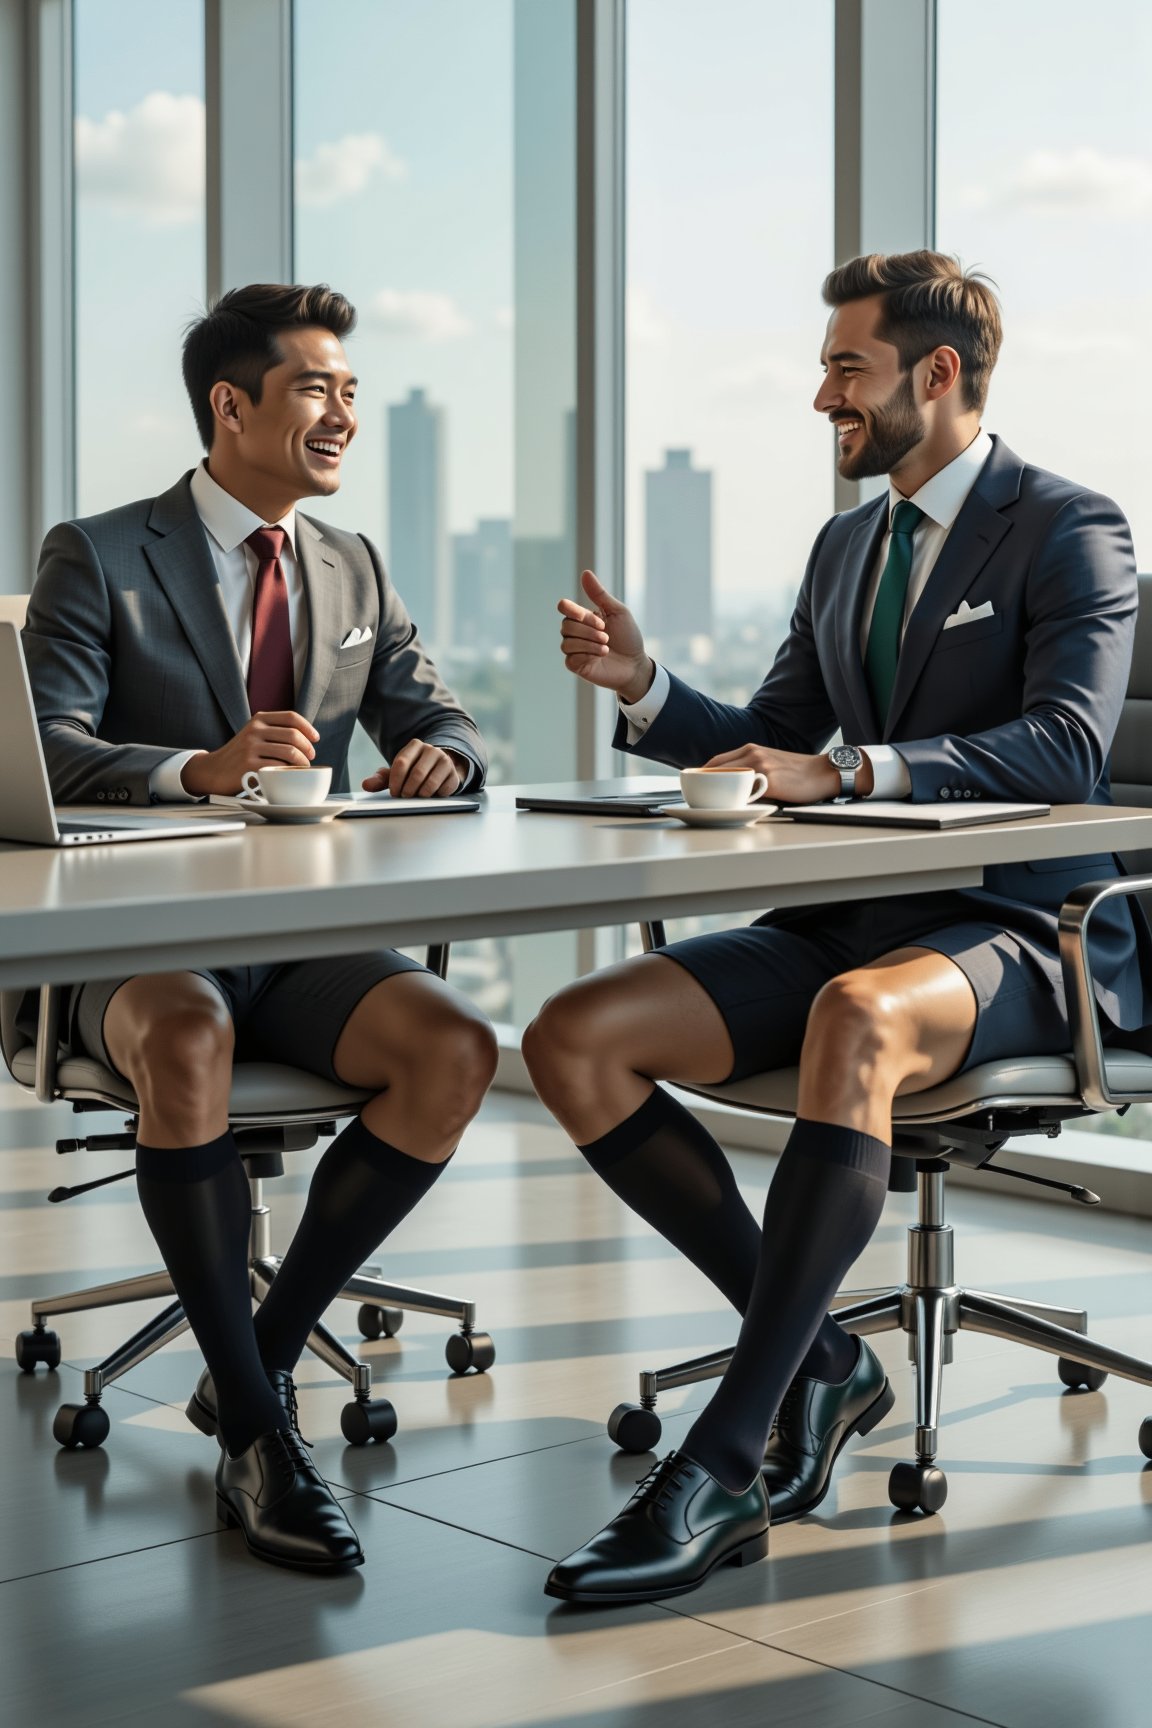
[282, 893]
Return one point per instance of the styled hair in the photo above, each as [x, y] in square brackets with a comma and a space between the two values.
[236, 338]
[929, 301]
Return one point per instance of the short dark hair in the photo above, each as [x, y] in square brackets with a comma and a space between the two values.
[930, 301]
[236, 338]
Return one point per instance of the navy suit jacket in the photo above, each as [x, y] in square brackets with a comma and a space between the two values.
[1020, 706]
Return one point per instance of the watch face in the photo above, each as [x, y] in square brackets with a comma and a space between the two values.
[845, 756]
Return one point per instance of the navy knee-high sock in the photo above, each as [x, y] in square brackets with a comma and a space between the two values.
[823, 1204]
[361, 1189]
[199, 1208]
[666, 1166]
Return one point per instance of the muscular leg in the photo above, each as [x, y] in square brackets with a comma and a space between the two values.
[900, 1024]
[171, 1036]
[431, 1056]
[593, 1053]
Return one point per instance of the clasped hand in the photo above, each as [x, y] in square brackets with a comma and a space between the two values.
[286, 740]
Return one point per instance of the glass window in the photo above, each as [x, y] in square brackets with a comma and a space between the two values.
[729, 472]
[729, 236]
[1048, 188]
[139, 155]
[1051, 195]
[438, 194]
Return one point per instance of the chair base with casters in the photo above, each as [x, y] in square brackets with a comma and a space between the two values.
[272, 1109]
[966, 1120]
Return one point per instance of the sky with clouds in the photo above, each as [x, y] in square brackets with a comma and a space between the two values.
[405, 201]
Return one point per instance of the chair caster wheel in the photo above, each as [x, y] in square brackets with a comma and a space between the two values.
[1075, 1374]
[379, 1322]
[34, 1347]
[465, 1350]
[80, 1425]
[360, 1423]
[1146, 1436]
[634, 1429]
[917, 1487]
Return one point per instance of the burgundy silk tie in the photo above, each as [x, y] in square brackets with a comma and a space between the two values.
[271, 674]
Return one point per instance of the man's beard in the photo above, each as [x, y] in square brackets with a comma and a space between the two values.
[895, 428]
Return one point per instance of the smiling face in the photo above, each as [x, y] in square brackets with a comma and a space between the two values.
[868, 399]
[291, 443]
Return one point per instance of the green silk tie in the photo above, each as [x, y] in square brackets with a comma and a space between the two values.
[883, 650]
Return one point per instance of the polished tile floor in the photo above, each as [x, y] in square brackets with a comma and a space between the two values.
[1025, 1603]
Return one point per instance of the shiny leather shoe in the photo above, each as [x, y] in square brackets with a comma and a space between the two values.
[815, 1423]
[201, 1407]
[677, 1528]
[284, 1508]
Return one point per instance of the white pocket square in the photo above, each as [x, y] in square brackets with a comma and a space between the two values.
[356, 636]
[965, 614]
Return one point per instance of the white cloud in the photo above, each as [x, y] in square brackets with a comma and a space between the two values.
[648, 326]
[1081, 181]
[341, 169]
[148, 162]
[426, 313]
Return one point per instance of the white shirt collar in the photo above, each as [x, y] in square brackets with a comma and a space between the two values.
[227, 520]
[942, 497]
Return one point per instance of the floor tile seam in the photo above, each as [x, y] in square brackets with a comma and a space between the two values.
[451, 1524]
[738, 1641]
[848, 1672]
[501, 1458]
[101, 1559]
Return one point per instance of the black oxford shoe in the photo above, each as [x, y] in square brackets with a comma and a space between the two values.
[677, 1528]
[815, 1423]
[285, 1510]
[201, 1407]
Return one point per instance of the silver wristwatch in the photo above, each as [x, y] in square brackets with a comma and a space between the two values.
[847, 761]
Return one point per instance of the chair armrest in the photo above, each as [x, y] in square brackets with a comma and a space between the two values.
[48, 1041]
[1079, 989]
[436, 958]
[653, 935]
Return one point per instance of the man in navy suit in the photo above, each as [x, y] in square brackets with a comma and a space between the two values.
[969, 633]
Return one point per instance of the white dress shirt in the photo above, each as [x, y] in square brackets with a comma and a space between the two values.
[941, 500]
[228, 524]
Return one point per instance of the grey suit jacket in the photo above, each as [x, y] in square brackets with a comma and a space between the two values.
[1021, 705]
[131, 656]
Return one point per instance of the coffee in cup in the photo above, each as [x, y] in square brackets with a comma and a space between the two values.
[287, 785]
[721, 788]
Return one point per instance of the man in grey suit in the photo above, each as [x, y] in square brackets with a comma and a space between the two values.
[173, 645]
[970, 634]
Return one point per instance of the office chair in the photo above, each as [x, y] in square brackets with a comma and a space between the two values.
[273, 1109]
[967, 1121]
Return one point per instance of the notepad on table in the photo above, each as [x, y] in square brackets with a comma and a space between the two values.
[894, 813]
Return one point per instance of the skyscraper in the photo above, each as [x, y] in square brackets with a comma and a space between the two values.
[678, 551]
[482, 585]
[417, 528]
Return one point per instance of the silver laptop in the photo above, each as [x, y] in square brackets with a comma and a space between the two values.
[26, 809]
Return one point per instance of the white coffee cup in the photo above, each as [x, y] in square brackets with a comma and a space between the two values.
[721, 788]
[287, 785]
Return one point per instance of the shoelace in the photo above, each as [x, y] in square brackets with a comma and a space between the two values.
[286, 1457]
[287, 1392]
[786, 1411]
[664, 1479]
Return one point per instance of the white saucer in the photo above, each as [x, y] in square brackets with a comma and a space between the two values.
[742, 816]
[298, 813]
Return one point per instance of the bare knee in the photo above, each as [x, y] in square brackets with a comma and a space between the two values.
[442, 1077]
[179, 1061]
[564, 1043]
[856, 1027]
